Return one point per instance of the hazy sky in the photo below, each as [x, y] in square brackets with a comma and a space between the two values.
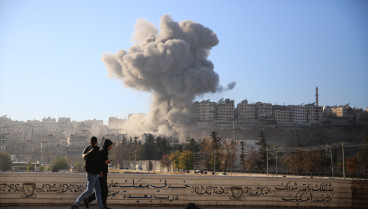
[276, 52]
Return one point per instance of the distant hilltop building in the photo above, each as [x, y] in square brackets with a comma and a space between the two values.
[224, 112]
[256, 113]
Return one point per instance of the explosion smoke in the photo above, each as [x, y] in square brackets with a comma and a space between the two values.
[173, 66]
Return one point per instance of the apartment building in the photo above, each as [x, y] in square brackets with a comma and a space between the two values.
[263, 110]
[76, 144]
[299, 114]
[339, 111]
[116, 123]
[208, 111]
[343, 111]
[281, 114]
[246, 112]
[196, 109]
[225, 111]
[315, 114]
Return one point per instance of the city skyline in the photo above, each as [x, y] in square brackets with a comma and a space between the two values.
[276, 52]
[49, 118]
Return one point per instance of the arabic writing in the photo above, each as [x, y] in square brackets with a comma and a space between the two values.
[153, 189]
[321, 193]
[60, 188]
[163, 190]
[29, 189]
[237, 192]
[139, 185]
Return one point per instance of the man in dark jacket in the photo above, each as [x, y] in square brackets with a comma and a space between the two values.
[93, 167]
[107, 146]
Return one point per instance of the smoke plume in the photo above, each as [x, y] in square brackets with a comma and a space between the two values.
[171, 63]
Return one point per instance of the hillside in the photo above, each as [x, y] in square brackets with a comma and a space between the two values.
[287, 136]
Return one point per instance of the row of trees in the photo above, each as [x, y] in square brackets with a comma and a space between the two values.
[212, 153]
[59, 163]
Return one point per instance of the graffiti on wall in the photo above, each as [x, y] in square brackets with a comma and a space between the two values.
[289, 192]
[164, 190]
[29, 189]
[307, 192]
[153, 192]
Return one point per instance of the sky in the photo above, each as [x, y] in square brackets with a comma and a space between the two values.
[276, 52]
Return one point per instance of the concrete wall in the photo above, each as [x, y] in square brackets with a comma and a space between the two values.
[204, 190]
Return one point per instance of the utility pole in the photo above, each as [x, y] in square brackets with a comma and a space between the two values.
[332, 170]
[214, 162]
[276, 159]
[135, 159]
[232, 149]
[343, 159]
[267, 159]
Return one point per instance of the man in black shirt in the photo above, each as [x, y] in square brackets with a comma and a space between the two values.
[107, 146]
[93, 167]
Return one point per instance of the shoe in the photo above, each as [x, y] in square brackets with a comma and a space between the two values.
[74, 207]
[86, 203]
[106, 208]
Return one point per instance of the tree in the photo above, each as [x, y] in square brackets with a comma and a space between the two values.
[294, 162]
[183, 160]
[5, 161]
[165, 160]
[206, 153]
[192, 145]
[362, 158]
[174, 158]
[79, 166]
[251, 160]
[229, 156]
[149, 148]
[186, 160]
[161, 147]
[216, 150]
[351, 165]
[242, 155]
[58, 164]
[30, 166]
[262, 151]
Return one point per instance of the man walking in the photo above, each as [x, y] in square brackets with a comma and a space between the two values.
[107, 146]
[93, 167]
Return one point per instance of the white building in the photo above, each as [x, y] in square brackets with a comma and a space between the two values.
[225, 111]
[246, 112]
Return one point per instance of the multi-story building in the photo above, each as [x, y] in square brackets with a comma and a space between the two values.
[339, 111]
[50, 125]
[116, 123]
[76, 145]
[208, 111]
[263, 110]
[225, 111]
[299, 114]
[204, 111]
[315, 114]
[196, 109]
[281, 114]
[343, 111]
[246, 112]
